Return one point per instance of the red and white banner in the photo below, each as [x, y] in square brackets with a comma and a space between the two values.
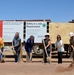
[1, 28]
[9, 28]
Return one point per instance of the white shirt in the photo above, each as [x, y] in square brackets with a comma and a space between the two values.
[59, 44]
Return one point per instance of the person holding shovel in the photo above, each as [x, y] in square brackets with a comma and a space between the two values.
[16, 44]
[28, 47]
[72, 47]
[46, 52]
[1, 50]
[60, 47]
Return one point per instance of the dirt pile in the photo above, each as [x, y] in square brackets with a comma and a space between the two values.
[64, 69]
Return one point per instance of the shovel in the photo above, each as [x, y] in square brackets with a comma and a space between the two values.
[48, 57]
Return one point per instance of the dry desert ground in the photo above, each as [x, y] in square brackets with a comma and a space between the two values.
[35, 68]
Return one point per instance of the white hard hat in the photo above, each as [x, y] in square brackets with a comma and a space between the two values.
[47, 34]
[71, 34]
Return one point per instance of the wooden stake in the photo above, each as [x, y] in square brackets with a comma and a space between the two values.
[21, 54]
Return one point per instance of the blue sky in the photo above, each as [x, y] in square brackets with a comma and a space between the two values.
[55, 10]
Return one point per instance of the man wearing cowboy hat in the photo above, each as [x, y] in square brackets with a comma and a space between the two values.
[46, 43]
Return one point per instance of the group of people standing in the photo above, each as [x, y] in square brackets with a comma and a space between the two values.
[16, 45]
[47, 48]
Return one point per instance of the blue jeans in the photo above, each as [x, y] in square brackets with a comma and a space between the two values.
[2, 49]
[17, 56]
[0, 56]
[48, 53]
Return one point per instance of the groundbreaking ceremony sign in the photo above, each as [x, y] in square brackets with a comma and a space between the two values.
[37, 29]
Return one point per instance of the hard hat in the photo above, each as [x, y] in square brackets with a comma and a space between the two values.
[47, 34]
[71, 34]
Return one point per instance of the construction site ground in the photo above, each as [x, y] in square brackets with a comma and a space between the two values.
[37, 67]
